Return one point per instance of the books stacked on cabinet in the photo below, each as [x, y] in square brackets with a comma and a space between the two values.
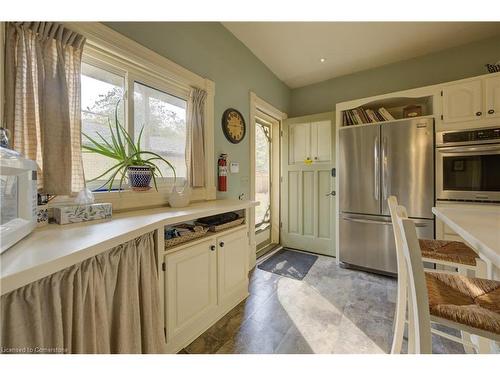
[360, 115]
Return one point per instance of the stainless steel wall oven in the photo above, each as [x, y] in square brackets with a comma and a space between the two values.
[468, 165]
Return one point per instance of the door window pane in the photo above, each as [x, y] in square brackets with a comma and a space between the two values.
[163, 117]
[101, 91]
[262, 176]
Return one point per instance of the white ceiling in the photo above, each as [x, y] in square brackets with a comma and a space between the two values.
[292, 50]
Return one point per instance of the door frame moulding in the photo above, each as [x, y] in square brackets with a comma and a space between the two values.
[2, 71]
[259, 105]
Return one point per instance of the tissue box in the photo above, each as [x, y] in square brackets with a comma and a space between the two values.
[82, 212]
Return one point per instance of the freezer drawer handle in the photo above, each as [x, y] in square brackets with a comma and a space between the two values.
[368, 221]
[364, 221]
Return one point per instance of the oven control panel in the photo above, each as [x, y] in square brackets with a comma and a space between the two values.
[468, 136]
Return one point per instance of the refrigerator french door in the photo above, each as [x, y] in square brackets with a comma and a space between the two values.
[377, 161]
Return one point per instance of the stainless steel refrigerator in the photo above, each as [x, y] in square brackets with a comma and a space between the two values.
[377, 161]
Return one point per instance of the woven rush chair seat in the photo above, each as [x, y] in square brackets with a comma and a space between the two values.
[466, 300]
[450, 251]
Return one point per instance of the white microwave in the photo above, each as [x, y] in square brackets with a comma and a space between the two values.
[18, 197]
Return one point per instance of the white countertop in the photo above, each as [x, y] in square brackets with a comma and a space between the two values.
[479, 227]
[55, 247]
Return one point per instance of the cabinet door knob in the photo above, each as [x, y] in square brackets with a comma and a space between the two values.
[491, 111]
[221, 244]
[315, 158]
[479, 113]
[212, 247]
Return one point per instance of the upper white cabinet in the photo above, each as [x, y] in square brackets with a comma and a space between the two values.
[472, 100]
[321, 140]
[492, 92]
[299, 142]
[463, 101]
[310, 141]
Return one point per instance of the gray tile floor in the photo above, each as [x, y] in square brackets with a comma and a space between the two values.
[332, 310]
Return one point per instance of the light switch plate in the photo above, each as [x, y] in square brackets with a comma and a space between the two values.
[234, 167]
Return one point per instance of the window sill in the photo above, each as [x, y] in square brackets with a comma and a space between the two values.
[133, 200]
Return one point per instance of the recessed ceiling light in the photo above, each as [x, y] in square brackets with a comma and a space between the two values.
[322, 60]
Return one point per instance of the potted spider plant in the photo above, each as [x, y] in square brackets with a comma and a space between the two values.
[140, 166]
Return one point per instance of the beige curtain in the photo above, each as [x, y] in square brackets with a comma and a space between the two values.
[195, 148]
[42, 108]
[106, 304]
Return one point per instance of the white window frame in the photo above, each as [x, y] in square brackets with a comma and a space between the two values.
[130, 78]
[110, 50]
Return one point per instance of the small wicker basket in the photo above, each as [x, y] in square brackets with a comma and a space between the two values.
[186, 238]
[218, 228]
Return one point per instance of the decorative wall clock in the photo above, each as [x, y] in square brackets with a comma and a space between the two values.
[233, 125]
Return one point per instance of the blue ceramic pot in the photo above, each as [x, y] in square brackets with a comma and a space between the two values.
[139, 177]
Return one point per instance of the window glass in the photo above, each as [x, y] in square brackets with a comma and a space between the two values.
[101, 91]
[163, 117]
[262, 176]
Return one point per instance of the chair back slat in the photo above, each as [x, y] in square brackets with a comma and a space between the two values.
[417, 291]
[392, 202]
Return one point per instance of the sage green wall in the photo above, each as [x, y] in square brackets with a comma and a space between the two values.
[211, 51]
[447, 65]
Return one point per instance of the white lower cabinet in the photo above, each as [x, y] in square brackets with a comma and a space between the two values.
[202, 283]
[232, 257]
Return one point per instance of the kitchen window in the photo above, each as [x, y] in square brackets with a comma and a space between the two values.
[161, 114]
[101, 91]
[156, 93]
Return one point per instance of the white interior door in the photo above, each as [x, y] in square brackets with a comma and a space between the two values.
[307, 205]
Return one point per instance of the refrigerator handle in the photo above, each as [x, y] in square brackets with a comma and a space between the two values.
[376, 165]
[385, 169]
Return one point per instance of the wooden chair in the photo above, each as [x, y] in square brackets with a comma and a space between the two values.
[454, 254]
[468, 304]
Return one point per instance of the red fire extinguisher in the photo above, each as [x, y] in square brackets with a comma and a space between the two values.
[222, 172]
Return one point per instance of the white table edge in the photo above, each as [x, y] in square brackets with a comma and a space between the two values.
[484, 251]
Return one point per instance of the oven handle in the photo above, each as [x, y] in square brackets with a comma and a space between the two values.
[461, 149]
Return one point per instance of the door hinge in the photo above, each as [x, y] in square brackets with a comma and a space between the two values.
[281, 178]
[281, 224]
[281, 133]
[442, 117]
[163, 266]
[441, 92]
